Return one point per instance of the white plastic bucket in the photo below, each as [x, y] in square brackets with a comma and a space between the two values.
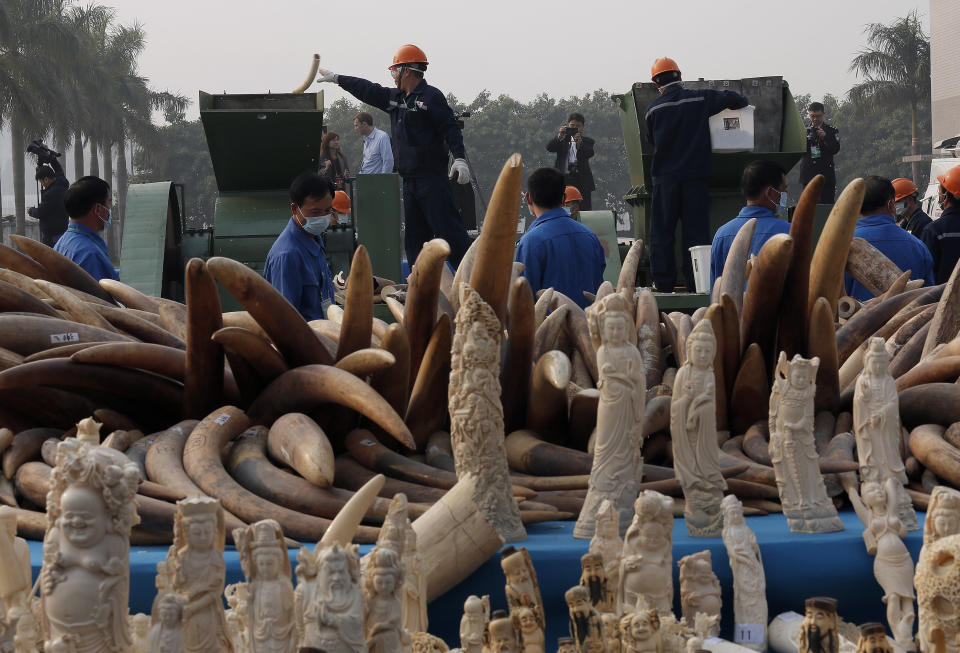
[700, 255]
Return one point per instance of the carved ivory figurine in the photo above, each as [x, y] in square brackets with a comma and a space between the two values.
[611, 631]
[586, 626]
[263, 557]
[792, 450]
[606, 541]
[166, 633]
[938, 594]
[693, 428]
[873, 639]
[383, 609]
[819, 632]
[238, 616]
[647, 559]
[15, 575]
[640, 632]
[594, 578]
[522, 589]
[892, 565]
[427, 643]
[943, 520]
[473, 624]
[85, 578]
[500, 636]
[617, 469]
[476, 413]
[414, 584]
[699, 587]
[197, 570]
[749, 582]
[525, 622]
[876, 424]
[139, 631]
[328, 600]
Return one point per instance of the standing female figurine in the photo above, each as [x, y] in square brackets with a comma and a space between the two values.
[195, 563]
[943, 520]
[333, 162]
[792, 449]
[892, 565]
[617, 464]
[876, 424]
[749, 581]
[693, 428]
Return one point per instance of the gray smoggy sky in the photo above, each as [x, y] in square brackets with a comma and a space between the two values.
[521, 48]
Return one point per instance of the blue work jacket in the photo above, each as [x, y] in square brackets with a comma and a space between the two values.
[297, 267]
[768, 224]
[942, 238]
[86, 248]
[560, 253]
[422, 124]
[678, 129]
[897, 245]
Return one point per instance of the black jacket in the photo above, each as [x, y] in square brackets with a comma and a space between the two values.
[51, 213]
[942, 238]
[811, 166]
[582, 177]
[916, 223]
[422, 125]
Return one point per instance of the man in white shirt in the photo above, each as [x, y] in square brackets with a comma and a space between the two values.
[377, 153]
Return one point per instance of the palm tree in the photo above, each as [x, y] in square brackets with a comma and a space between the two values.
[896, 70]
[36, 45]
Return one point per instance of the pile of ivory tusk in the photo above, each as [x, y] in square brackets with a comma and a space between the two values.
[283, 419]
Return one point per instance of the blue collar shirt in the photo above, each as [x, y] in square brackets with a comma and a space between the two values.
[904, 249]
[377, 153]
[297, 266]
[768, 224]
[86, 248]
[559, 252]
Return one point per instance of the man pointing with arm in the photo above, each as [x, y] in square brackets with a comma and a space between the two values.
[424, 130]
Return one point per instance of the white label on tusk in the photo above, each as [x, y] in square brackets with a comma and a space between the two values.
[222, 418]
[367, 443]
[58, 338]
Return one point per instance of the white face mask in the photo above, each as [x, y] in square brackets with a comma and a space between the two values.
[900, 208]
[109, 220]
[780, 207]
[315, 226]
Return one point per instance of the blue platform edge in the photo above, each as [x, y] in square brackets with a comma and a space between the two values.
[797, 566]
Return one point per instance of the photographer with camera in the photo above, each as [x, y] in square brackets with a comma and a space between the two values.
[574, 151]
[823, 143]
[52, 214]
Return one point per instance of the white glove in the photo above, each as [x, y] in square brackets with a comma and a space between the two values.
[327, 75]
[340, 281]
[461, 171]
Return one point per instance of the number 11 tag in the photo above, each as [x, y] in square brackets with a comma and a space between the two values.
[749, 633]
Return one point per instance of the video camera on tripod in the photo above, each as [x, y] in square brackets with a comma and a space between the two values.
[43, 153]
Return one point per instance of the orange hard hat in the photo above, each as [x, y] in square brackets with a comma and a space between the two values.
[571, 194]
[663, 65]
[950, 180]
[341, 202]
[903, 187]
[408, 54]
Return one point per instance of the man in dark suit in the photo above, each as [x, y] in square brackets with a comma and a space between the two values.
[574, 151]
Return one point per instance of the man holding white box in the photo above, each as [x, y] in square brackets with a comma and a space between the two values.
[677, 126]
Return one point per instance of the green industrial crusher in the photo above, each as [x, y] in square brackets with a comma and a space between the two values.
[779, 135]
[258, 143]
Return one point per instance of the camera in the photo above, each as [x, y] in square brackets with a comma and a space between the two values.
[571, 131]
[43, 153]
[812, 133]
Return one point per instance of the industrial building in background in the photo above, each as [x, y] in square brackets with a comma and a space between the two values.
[945, 68]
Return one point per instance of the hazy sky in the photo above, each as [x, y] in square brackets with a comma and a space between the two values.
[518, 47]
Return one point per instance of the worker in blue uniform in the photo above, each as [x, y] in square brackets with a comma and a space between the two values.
[942, 236]
[676, 124]
[764, 184]
[557, 251]
[424, 130]
[876, 226]
[87, 201]
[297, 263]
